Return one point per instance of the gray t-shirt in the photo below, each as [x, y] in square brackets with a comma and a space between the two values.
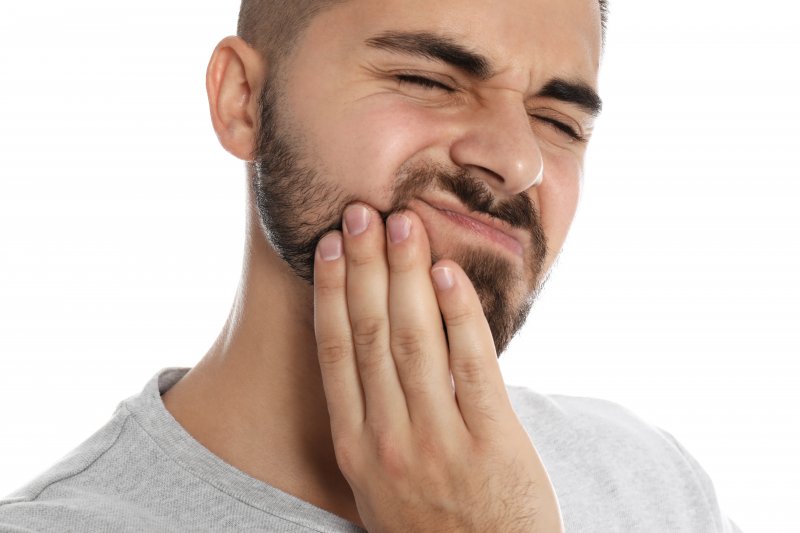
[142, 472]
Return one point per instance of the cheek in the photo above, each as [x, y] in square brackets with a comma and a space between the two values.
[363, 147]
[558, 200]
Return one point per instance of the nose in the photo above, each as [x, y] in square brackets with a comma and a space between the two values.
[498, 145]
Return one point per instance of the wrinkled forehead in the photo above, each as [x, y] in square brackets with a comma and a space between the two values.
[522, 38]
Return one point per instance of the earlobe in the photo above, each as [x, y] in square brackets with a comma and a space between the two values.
[233, 80]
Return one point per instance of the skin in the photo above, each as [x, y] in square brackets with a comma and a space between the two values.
[382, 418]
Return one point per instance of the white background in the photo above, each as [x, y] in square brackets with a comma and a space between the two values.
[121, 230]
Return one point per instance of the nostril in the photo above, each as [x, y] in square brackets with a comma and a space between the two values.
[486, 173]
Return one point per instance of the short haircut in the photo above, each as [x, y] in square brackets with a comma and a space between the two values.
[273, 26]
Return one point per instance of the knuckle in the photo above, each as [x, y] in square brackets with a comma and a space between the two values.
[326, 286]
[346, 456]
[367, 331]
[361, 257]
[407, 340]
[401, 263]
[331, 352]
[459, 317]
[470, 370]
[471, 374]
[430, 448]
[390, 455]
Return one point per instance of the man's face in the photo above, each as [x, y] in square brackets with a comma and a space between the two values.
[447, 108]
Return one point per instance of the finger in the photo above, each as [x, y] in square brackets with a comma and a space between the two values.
[367, 304]
[480, 391]
[337, 358]
[417, 336]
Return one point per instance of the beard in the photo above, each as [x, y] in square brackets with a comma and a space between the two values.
[298, 206]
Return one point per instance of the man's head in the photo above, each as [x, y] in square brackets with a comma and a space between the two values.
[273, 26]
[441, 108]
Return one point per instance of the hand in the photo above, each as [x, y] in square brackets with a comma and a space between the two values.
[422, 451]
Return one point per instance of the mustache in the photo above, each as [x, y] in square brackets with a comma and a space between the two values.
[517, 211]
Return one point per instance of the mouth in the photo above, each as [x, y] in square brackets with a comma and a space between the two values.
[487, 228]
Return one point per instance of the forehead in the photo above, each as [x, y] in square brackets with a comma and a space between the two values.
[524, 39]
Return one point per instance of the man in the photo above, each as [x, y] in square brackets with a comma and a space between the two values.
[415, 169]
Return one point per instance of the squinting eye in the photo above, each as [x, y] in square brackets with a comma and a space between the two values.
[422, 81]
[563, 128]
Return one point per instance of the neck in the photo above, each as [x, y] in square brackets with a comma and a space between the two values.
[256, 399]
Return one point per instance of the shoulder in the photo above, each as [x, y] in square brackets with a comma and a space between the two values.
[598, 431]
[67, 493]
[601, 455]
[590, 421]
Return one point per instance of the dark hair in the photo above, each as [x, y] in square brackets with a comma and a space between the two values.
[273, 26]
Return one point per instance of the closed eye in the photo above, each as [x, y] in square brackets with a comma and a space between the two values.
[422, 81]
[563, 128]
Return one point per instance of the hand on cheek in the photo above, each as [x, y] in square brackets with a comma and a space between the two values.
[417, 453]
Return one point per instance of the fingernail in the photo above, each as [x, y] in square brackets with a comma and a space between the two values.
[356, 219]
[330, 247]
[443, 278]
[399, 227]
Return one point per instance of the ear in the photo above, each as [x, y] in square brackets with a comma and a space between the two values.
[235, 75]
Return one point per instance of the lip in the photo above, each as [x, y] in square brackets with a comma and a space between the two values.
[483, 225]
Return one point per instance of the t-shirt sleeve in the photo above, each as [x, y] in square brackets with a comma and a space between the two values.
[725, 524]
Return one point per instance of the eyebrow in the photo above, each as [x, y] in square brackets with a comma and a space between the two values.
[446, 50]
[436, 47]
[573, 92]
